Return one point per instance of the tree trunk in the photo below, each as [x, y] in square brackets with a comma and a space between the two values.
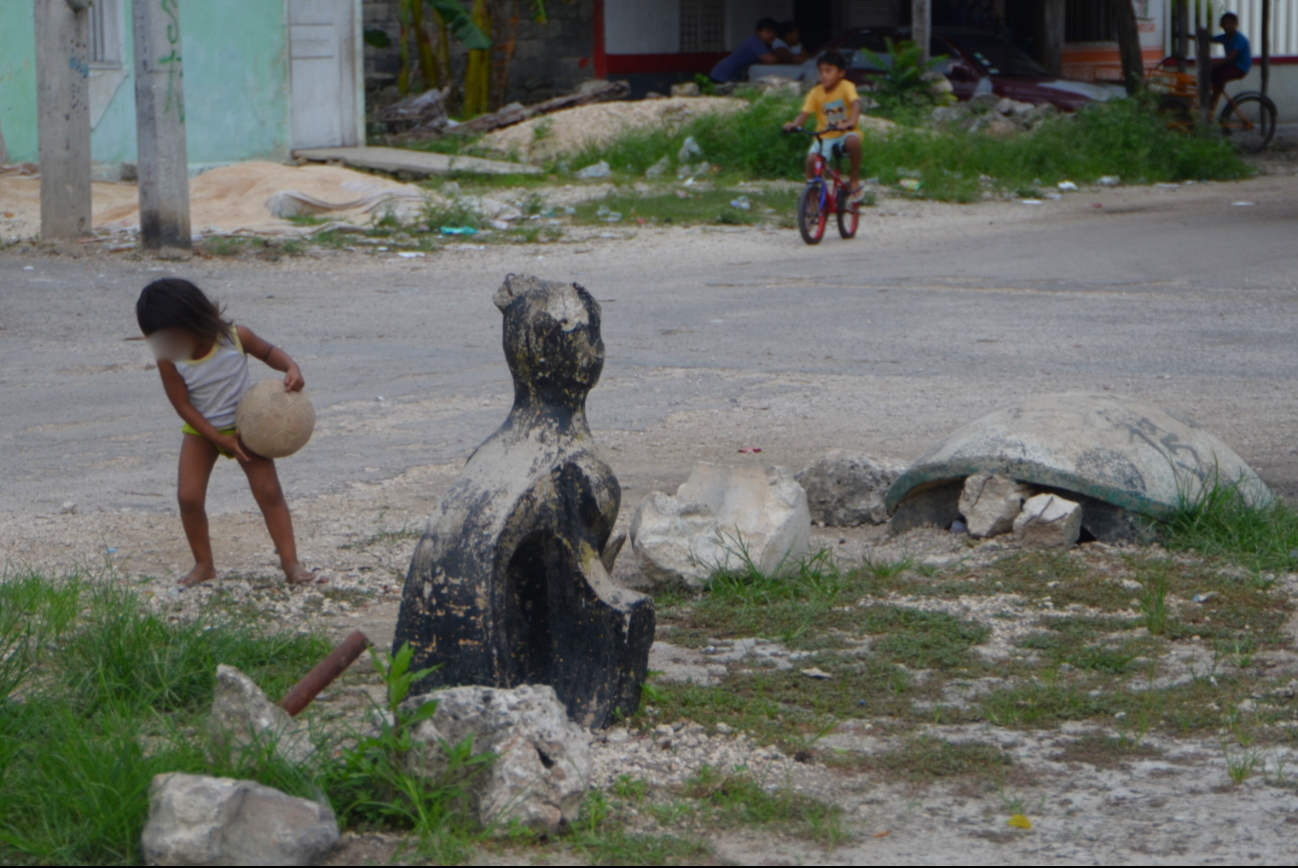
[921, 26]
[427, 64]
[1203, 66]
[1133, 65]
[1182, 48]
[1266, 44]
[1052, 36]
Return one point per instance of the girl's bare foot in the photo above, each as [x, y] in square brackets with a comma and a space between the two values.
[297, 575]
[199, 574]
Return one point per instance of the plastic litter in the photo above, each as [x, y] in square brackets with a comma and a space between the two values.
[1018, 821]
[595, 171]
[689, 150]
[1109, 180]
[1242, 204]
[911, 184]
[959, 527]
[1033, 202]
[814, 672]
[1067, 186]
[1203, 598]
[409, 254]
[750, 450]
[885, 833]
[458, 230]
[741, 203]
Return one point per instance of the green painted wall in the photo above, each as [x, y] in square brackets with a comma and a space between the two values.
[18, 78]
[237, 103]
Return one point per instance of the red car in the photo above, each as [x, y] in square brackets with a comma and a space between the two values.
[977, 62]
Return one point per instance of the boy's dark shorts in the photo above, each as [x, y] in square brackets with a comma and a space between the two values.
[1226, 72]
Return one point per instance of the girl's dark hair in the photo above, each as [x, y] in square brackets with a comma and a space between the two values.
[172, 303]
[832, 58]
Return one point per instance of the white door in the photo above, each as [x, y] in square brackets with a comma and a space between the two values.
[322, 51]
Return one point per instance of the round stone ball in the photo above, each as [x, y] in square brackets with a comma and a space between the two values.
[274, 423]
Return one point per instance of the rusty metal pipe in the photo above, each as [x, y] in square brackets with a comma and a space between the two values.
[301, 694]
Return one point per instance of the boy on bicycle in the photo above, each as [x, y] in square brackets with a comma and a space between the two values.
[837, 108]
[1238, 60]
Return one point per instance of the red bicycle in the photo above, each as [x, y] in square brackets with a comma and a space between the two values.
[826, 191]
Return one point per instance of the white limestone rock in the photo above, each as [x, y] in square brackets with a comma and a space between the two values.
[846, 489]
[990, 503]
[717, 515]
[242, 715]
[542, 764]
[201, 820]
[1049, 521]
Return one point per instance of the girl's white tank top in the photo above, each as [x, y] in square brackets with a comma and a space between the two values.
[217, 381]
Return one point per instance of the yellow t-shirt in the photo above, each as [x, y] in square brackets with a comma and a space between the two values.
[831, 107]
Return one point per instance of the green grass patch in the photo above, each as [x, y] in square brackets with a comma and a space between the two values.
[740, 800]
[701, 207]
[1107, 751]
[1220, 522]
[927, 758]
[106, 694]
[1126, 137]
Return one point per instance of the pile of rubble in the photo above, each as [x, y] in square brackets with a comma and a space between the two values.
[999, 117]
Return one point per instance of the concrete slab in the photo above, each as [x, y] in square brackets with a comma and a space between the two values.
[415, 162]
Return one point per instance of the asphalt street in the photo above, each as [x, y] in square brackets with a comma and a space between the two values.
[716, 340]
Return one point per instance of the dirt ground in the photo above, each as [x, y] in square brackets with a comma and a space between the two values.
[719, 339]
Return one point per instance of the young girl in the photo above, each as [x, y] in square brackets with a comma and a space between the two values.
[202, 358]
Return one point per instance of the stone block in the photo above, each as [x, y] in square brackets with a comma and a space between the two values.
[846, 489]
[990, 502]
[1049, 521]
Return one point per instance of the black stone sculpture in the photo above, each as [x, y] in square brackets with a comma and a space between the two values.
[510, 585]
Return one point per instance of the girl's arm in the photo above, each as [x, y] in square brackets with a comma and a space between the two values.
[178, 393]
[274, 358]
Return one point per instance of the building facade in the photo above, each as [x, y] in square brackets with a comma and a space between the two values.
[261, 78]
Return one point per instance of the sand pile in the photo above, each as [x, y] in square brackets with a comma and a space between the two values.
[567, 132]
[224, 200]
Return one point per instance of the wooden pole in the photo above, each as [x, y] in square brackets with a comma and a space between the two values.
[63, 116]
[1266, 45]
[921, 21]
[160, 128]
[1203, 67]
[1052, 33]
[1182, 47]
[1133, 63]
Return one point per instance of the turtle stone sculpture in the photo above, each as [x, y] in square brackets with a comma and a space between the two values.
[510, 584]
[1115, 455]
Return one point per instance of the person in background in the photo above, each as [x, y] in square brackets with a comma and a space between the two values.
[788, 45]
[755, 49]
[1238, 60]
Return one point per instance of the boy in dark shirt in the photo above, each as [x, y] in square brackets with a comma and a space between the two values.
[755, 49]
[1238, 60]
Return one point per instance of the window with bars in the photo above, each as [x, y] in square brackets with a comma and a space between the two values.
[1089, 22]
[703, 25]
[105, 34]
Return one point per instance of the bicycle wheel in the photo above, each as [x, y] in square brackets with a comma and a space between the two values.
[811, 216]
[1250, 122]
[849, 214]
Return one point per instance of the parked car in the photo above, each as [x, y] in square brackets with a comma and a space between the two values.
[976, 62]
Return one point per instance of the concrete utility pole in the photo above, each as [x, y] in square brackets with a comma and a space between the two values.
[63, 116]
[160, 128]
[1052, 33]
[921, 25]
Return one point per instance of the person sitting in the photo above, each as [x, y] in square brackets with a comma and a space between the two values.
[788, 45]
[1238, 60]
[755, 49]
